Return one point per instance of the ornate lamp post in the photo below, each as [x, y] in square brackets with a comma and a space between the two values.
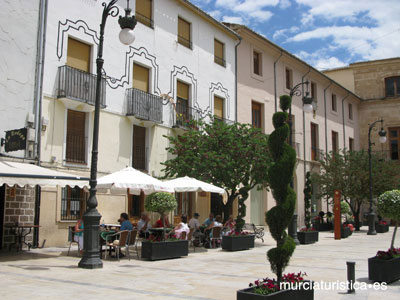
[382, 139]
[307, 107]
[91, 219]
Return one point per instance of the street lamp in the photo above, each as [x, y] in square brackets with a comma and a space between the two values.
[307, 107]
[91, 218]
[382, 139]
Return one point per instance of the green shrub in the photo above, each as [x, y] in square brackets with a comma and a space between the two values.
[161, 202]
[389, 207]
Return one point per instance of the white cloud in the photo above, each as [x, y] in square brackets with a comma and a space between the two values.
[216, 14]
[321, 60]
[248, 9]
[283, 4]
[233, 19]
[282, 33]
[261, 15]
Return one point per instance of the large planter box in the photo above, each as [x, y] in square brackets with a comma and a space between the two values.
[235, 243]
[324, 226]
[304, 293]
[345, 232]
[164, 250]
[307, 237]
[380, 228]
[382, 270]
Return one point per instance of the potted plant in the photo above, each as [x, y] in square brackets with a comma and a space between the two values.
[346, 230]
[382, 226]
[385, 265]
[307, 234]
[236, 240]
[278, 218]
[160, 247]
[320, 225]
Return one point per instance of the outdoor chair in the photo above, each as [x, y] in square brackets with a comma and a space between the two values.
[216, 236]
[71, 240]
[192, 239]
[132, 242]
[183, 235]
[117, 241]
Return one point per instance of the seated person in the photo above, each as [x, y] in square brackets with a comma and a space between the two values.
[216, 223]
[144, 225]
[159, 222]
[229, 225]
[209, 220]
[182, 227]
[194, 222]
[125, 223]
[78, 234]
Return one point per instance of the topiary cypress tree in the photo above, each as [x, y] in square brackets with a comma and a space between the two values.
[307, 200]
[280, 175]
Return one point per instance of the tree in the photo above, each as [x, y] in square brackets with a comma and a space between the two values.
[389, 207]
[234, 157]
[307, 200]
[348, 171]
[280, 175]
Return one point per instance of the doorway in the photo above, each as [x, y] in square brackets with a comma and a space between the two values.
[216, 204]
[256, 206]
[2, 202]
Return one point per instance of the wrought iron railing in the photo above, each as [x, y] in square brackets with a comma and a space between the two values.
[220, 61]
[76, 149]
[144, 20]
[316, 154]
[185, 42]
[185, 114]
[72, 203]
[144, 105]
[139, 158]
[226, 121]
[79, 85]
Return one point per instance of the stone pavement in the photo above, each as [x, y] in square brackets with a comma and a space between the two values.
[206, 274]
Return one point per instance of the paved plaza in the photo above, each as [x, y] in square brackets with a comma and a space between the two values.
[206, 274]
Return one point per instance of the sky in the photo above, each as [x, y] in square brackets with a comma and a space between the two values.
[326, 34]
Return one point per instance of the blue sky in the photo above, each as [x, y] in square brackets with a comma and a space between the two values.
[324, 33]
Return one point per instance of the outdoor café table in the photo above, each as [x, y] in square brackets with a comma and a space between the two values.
[103, 238]
[20, 232]
[110, 226]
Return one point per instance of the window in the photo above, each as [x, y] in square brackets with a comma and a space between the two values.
[334, 103]
[182, 102]
[289, 78]
[184, 206]
[350, 111]
[219, 56]
[314, 142]
[392, 86]
[139, 148]
[143, 12]
[335, 141]
[351, 144]
[256, 120]
[141, 78]
[135, 206]
[394, 140]
[314, 91]
[78, 55]
[73, 202]
[76, 139]
[257, 63]
[218, 107]
[184, 37]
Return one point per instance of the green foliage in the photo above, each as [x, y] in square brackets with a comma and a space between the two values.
[389, 205]
[307, 200]
[229, 156]
[161, 202]
[348, 171]
[280, 175]
[344, 208]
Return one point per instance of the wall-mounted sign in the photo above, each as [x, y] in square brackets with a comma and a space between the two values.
[15, 140]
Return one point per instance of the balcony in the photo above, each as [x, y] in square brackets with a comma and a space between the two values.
[144, 106]
[226, 121]
[316, 154]
[139, 158]
[79, 86]
[184, 115]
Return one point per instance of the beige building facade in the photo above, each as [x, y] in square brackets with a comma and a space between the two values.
[265, 72]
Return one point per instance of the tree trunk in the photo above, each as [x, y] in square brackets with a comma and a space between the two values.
[356, 216]
[394, 235]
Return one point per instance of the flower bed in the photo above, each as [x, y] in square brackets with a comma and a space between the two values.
[385, 266]
[154, 250]
[236, 241]
[269, 289]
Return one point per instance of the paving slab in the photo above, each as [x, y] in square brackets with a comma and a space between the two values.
[206, 274]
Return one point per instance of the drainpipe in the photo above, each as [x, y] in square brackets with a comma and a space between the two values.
[275, 93]
[236, 81]
[304, 124]
[41, 37]
[344, 127]
[326, 120]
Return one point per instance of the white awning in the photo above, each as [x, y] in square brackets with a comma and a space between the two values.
[188, 184]
[21, 174]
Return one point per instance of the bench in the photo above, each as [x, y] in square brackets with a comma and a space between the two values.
[257, 231]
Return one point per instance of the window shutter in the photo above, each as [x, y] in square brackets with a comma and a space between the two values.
[218, 49]
[218, 107]
[184, 32]
[78, 55]
[182, 90]
[76, 141]
[140, 78]
[143, 7]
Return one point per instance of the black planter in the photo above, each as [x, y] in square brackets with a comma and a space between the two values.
[164, 250]
[382, 270]
[381, 228]
[235, 243]
[324, 226]
[345, 232]
[300, 294]
[307, 237]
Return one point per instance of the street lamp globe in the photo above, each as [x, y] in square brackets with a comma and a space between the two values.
[126, 36]
[382, 136]
[307, 107]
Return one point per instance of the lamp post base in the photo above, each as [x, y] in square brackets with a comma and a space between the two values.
[371, 224]
[292, 230]
[91, 243]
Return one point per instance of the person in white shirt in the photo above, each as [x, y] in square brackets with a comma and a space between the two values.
[144, 225]
[194, 222]
[182, 227]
